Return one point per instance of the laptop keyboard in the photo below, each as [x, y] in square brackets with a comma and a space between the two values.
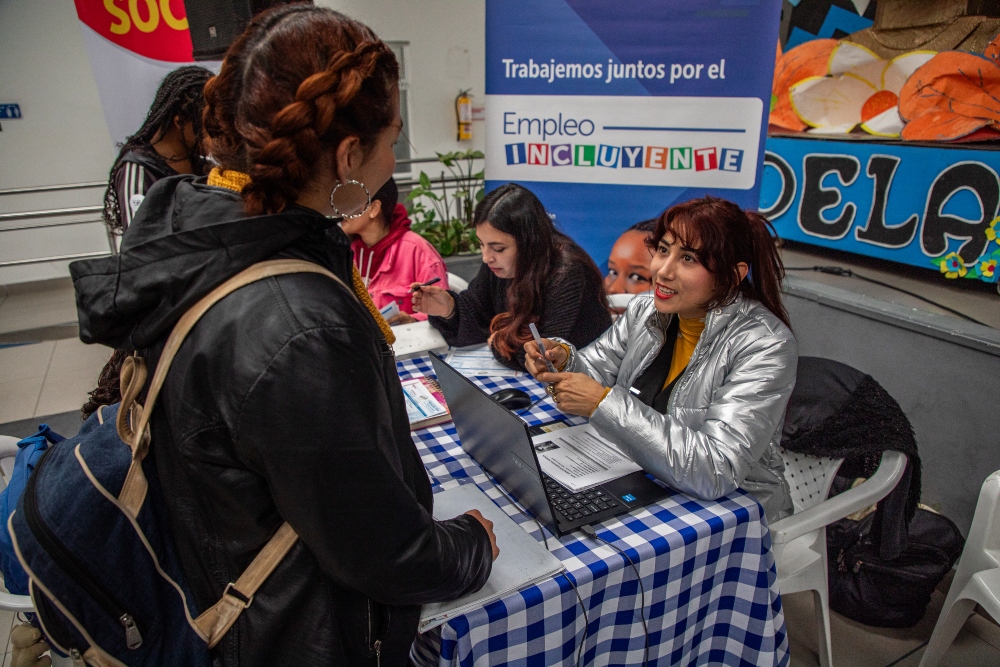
[575, 506]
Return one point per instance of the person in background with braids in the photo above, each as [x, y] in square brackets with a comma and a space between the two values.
[283, 403]
[692, 381]
[167, 144]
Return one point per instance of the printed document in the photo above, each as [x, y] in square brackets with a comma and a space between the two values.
[578, 458]
[478, 361]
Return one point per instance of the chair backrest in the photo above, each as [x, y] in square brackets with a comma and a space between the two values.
[457, 283]
[809, 478]
[8, 452]
[983, 546]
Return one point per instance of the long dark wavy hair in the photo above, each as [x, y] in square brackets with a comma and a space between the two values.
[725, 235]
[181, 94]
[543, 254]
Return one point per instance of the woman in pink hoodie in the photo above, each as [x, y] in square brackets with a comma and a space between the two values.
[390, 257]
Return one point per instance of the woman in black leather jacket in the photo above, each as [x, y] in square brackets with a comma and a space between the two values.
[283, 404]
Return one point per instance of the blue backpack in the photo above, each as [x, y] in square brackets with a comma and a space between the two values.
[29, 452]
[92, 532]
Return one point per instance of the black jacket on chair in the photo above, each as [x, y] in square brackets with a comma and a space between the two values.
[282, 404]
[838, 411]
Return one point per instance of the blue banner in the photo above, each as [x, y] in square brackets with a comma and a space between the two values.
[613, 111]
[931, 207]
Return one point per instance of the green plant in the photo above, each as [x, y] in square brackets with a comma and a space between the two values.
[445, 218]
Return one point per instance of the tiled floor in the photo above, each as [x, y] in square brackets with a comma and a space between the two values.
[31, 307]
[48, 377]
[856, 645]
[7, 621]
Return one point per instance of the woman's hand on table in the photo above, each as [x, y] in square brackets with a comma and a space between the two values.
[432, 300]
[534, 362]
[488, 525]
[574, 393]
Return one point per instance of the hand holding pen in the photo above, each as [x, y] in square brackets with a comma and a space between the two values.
[417, 288]
[432, 300]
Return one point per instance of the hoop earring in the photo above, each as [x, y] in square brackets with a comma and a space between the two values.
[337, 212]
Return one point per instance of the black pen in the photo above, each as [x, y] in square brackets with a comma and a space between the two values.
[429, 282]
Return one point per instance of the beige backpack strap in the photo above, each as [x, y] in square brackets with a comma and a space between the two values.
[215, 622]
[134, 489]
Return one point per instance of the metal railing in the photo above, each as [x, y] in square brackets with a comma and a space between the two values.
[54, 258]
[45, 216]
[52, 188]
[405, 185]
[27, 215]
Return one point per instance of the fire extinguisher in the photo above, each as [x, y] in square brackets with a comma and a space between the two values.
[463, 110]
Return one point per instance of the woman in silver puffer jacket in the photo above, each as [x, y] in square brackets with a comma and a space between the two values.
[692, 382]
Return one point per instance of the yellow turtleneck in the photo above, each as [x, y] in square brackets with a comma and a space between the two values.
[687, 338]
[234, 180]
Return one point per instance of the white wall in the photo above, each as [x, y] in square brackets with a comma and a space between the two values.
[63, 137]
[447, 53]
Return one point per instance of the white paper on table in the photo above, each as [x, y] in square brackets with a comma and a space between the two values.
[478, 361]
[416, 338]
[522, 562]
[578, 458]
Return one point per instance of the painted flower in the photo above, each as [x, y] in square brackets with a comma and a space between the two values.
[807, 60]
[860, 88]
[952, 97]
[952, 266]
[993, 230]
[988, 268]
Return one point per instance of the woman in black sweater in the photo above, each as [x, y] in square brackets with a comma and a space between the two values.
[531, 273]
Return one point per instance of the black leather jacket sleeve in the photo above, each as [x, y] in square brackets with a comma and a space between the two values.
[337, 473]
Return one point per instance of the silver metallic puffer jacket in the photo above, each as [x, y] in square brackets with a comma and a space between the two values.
[723, 422]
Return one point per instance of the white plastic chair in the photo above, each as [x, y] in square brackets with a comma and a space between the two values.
[457, 283]
[977, 579]
[799, 541]
[8, 450]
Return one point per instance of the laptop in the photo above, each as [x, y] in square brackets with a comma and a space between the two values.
[500, 442]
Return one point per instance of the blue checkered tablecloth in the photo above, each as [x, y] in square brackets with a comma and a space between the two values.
[707, 571]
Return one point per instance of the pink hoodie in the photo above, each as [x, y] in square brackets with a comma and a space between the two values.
[408, 259]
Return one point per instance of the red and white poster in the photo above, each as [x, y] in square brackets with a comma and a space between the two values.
[132, 45]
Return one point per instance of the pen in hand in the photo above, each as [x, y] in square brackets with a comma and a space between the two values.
[426, 284]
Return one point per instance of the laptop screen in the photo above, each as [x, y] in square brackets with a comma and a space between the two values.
[497, 439]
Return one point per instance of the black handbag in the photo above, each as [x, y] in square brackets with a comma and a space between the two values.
[889, 593]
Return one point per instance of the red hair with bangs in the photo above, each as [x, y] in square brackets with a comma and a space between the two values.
[722, 235]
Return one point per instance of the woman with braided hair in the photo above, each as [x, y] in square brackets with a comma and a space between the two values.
[283, 404]
[168, 143]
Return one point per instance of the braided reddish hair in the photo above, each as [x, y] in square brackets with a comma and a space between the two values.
[295, 84]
